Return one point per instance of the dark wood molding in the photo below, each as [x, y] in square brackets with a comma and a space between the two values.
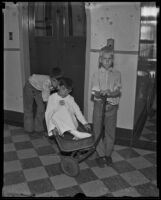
[13, 118]
[124, 133]
[117, 52]
[130, 138]
[139, 125]
[70, 19]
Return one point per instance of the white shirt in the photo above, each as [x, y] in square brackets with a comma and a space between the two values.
[54, 105]
[41, 83]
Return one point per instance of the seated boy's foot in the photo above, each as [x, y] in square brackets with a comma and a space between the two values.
[108, 160]
[51, 137]
[100, 161]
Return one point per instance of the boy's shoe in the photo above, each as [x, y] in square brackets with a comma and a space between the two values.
[39, 133]
[29, 132]
[100, 161]
[46, 134]
[51, 137]
[108, 160]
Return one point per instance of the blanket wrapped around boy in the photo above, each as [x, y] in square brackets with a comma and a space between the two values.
[62, 119]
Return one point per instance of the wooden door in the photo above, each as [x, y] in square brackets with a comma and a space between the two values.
[57, 38]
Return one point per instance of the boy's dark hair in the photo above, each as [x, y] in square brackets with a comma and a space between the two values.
[56, 72]
[66, 82]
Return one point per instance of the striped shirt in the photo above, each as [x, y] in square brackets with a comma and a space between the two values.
[41, 83]
[107, 79]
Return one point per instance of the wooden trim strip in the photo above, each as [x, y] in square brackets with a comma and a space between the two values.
[117, 52]
[70, 19]
[11, 49]
[13, 118]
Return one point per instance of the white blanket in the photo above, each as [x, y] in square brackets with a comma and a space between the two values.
[63, 122]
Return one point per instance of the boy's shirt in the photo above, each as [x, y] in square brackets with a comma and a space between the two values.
[54, 105]
[41, 83]
[107, 79]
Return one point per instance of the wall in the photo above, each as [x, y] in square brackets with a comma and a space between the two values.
[120, 21]
[14, 76]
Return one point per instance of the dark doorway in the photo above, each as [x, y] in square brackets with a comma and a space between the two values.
[146, 72]
[57, 38]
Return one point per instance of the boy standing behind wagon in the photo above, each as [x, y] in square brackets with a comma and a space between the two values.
[38, 88]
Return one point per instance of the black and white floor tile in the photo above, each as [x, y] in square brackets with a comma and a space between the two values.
[32, 168]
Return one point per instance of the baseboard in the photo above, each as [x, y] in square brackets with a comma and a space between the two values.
[127, 137]
[13, 118]
[124, 137]
[123, 133]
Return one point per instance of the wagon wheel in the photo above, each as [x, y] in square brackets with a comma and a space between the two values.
[69, 166]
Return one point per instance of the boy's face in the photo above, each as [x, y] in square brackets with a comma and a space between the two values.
[63, 91]
[54, 82]
[107, 60]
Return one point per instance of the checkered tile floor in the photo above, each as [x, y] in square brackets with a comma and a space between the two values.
[32, 167]
[149, 132]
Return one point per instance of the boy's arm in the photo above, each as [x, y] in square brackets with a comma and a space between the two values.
[117, 87]
[78, 112]
[80, 116]
[95, 90]
[48, 115]
[46, 90]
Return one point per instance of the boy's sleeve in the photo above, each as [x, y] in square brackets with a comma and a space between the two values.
[78, 112]
[94, 84]
[118, 84]
[48, 115]
[46, 90]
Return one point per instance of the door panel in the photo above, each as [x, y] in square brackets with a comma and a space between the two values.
[46, 54]
[73, 62]
[55, 41]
